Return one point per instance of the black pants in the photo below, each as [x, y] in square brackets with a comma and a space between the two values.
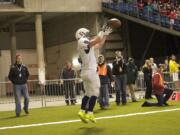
[69, 90]
[162, 99]
[148, 89]
[120, 86]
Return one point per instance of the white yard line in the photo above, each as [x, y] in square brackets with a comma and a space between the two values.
[100, 118]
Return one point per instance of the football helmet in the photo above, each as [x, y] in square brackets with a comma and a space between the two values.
[82, 32]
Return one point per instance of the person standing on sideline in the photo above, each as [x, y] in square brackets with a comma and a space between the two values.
[119, 71]
[18, 75]
[105, 75]
[132, 73]
[86, 48]
[174, 72]
[147, 70]
[173, 67]
[68, 75]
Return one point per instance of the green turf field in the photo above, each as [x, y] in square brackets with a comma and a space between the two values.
[152, 124]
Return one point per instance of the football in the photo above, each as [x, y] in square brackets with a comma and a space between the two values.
[114, 23]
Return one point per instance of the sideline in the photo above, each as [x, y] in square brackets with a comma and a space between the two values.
[99, 118]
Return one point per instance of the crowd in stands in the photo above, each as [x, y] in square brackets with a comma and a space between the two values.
[164, 12]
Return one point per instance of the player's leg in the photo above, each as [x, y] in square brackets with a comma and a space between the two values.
[82, 112]
[94, 92]
[85, 100]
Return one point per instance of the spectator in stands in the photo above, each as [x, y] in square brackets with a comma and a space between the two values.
[140, 6]
[147, 70]
[149, 9]
[155, 7]
[119, 71]
[178, 14]
[105, 75]
[68, 76]
[18, 75]
[132, 73]
[172, 17]
[160, 90]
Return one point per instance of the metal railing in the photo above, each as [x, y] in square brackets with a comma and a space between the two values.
[7, 1]
[66, 89]
[7, 91]
[53, 90]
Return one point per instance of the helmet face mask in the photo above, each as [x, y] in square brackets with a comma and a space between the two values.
[82, 32]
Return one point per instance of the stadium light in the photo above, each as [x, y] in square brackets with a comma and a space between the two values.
[75, 62]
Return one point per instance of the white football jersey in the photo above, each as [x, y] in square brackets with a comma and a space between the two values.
[87, 54]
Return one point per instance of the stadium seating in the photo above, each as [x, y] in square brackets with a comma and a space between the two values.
[144, 13]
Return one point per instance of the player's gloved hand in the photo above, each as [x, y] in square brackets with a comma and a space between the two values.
[107, 31]
[101, 34]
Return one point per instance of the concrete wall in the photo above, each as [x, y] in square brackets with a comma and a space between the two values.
[29, 59]
[20, 2]
[62, 5]
[25, 40]
[56, 57]
[59, 42]
[61, 30]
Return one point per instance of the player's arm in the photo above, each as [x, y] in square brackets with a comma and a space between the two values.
[98, 41]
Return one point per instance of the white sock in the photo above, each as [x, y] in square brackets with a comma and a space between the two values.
[90, 112]
[82, 110]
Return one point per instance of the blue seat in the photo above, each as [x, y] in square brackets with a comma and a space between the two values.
[123, 8]
[165, 21]
[176, 25]
[154, 18]
[143, 14]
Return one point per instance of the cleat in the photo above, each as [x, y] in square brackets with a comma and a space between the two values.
[17, 114]
[26, 111]
[82, 116]
[91, 117]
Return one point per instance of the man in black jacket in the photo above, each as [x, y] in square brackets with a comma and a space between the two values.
[18, 75]
[68, 76]
[119, 71]
[132, 73]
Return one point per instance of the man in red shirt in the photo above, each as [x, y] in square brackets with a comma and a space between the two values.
[172, 16]
[161, 92]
